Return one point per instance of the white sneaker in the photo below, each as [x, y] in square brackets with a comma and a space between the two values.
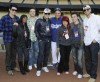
[38, 73]
[58, 73]
[30, 67]
[45, 69]
[66, 72]
[35, 65]
[79, 76]
[75, 73]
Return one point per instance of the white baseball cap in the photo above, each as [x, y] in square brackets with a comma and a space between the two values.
[86, 7]
[47, 10]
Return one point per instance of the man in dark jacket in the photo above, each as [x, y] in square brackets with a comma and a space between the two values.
[43, 33]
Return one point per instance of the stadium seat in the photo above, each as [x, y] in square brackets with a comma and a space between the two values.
[29, 1]
[42, 2]
[63, 2]
[52, 2]
[75, 2]
[4, 0]
[96, 1]
[16, 1]
[87, 2]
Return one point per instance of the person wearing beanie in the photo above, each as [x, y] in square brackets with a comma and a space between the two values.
[55, 24]
[64, 45]
[91, 41]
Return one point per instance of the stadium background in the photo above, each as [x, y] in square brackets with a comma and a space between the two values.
[67, 7]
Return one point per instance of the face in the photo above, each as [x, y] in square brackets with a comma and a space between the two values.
[32, 12]
[57, 14]
[74, 18]
[65, 23]
[87, 11]
[46, 15]
[24, 20]
[13, 10]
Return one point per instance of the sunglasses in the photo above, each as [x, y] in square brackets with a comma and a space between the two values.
[13, 9]
[86, 10]
[47, 13]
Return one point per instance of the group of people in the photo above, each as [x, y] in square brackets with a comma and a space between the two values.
[33, 38]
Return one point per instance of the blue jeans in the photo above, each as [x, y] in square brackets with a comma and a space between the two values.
[77, 53]
[91, 59]
[33, 53]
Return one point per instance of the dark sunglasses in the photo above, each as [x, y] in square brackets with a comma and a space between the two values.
[47, 13]
[86, 10]
[13, 9]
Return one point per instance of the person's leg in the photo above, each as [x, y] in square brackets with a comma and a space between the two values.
[88, 63]
[35, 52]
[66, 51]
[8, 56]
[94, 53]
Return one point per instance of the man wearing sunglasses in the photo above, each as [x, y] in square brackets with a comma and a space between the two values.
[43, 34]
[91, 41]
[7, 23]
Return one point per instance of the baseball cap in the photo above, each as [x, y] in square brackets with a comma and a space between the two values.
[86, 7]
[57, 9]
[47, 10]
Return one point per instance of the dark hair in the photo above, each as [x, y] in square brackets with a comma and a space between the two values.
[21, 18]
[57, 9]
[76, 13]
[12, 5]
[66, 18]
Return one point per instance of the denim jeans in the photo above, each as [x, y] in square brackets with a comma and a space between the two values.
[77, 53]
[22, 53]
[33, 53]
[91, 59]
[44, 51]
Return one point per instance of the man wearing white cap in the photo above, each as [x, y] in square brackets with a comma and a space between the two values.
[91, 40]
[43, 33]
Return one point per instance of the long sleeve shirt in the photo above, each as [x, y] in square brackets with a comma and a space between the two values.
[92, 29]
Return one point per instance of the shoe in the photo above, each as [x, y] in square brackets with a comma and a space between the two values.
[16, 69]
[91, 80]
[86, 75]
[35, 65]
[38, 73]
[66, 72]
[45, 69]
[75, 73]
[30, 67]
[79, 76]
[10, 72]
[58, 73]
[54, 66]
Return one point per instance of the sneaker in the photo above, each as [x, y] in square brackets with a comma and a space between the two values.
[54, 66]
[86, 75]
[30, 67]
[45, 69]
[91, 80]
[35, 65]
[38, 73]
[58, 73]
[66, 72]
[75, 73]
[10, 72]
[16, 69]
[79, 76]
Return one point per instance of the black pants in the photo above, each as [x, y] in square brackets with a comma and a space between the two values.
[44, 51]
[63, 66]
[91, 59]
[10, 60]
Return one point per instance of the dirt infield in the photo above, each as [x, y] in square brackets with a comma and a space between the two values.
[45, 77]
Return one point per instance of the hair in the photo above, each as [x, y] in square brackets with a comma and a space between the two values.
[21, 18]
[76, 13]
[12, 5]
[67, 19]
[32, 8]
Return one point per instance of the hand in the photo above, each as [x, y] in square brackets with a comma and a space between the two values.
[94, 41]
[16, 24]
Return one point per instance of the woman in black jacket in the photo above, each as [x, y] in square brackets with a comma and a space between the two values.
[22, 41]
